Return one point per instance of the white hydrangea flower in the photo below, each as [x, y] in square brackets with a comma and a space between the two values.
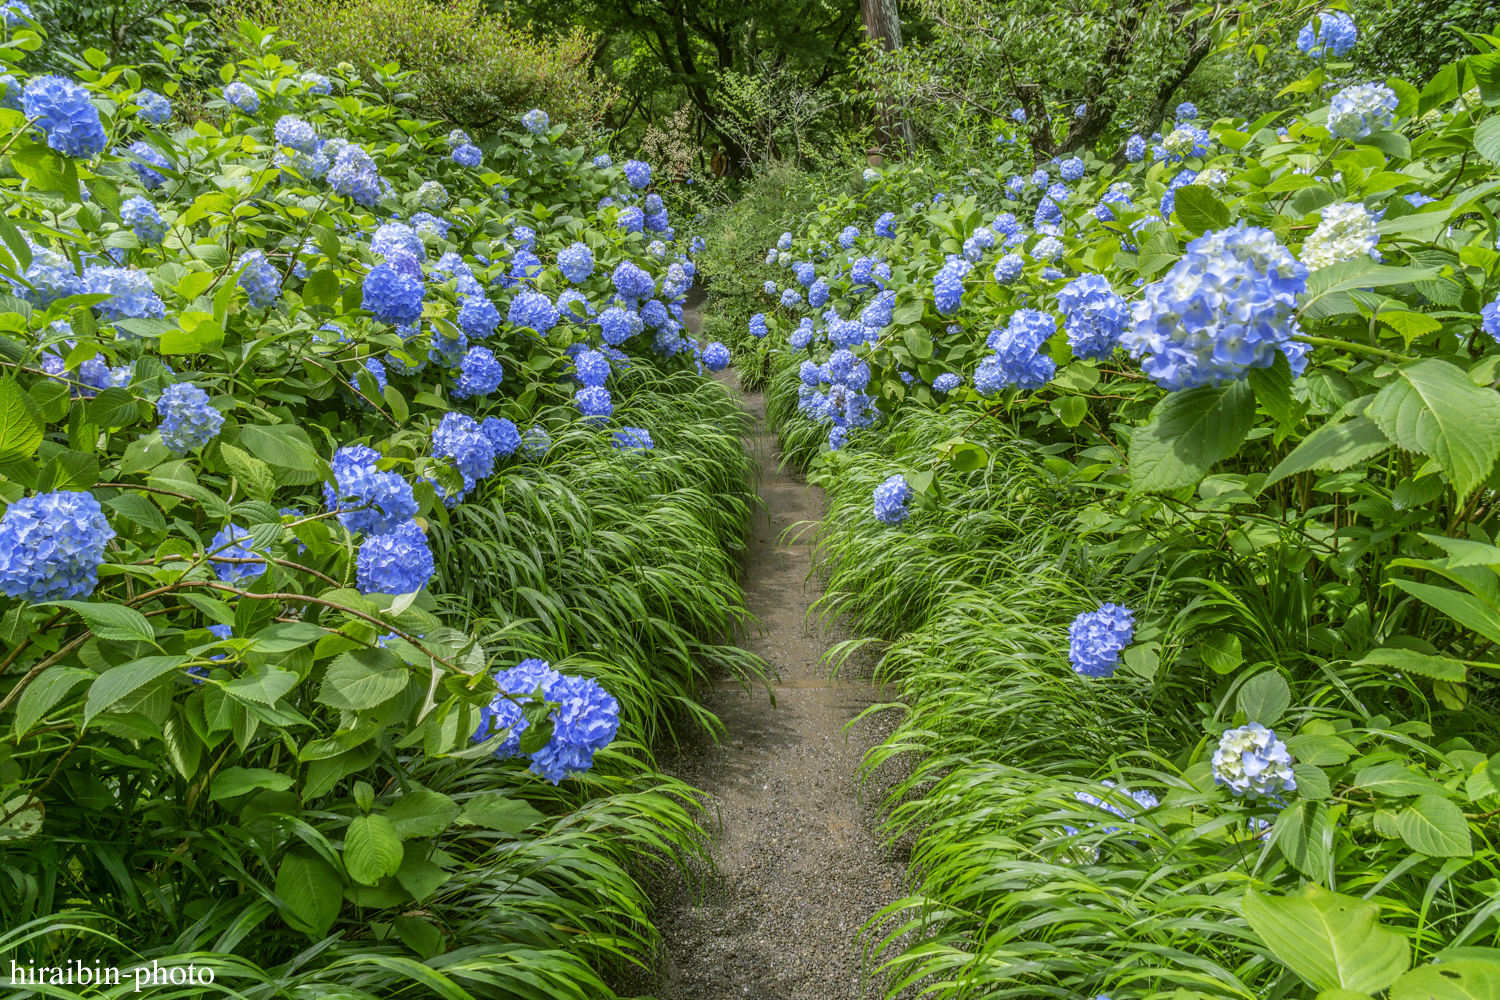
[1252, 762]
[871, 175]
[1346, 232]
[784, 258]
[1215, 179]
[1355, 112]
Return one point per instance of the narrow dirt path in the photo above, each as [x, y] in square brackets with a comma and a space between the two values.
[799, 869]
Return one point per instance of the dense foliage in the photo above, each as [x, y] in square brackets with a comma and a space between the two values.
[366, 518]
[1171, 481]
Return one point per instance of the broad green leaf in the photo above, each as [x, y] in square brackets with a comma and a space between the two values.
[362, 678]
[496, 812]
[1333, 448]
[918, 341]
[1396, 781]
[908, 313]
[1221, 651]
[1273, 390]
[1330, 940]
[280, 444]
[1436, 827]
[114, 407]
[1200, 210]
[263, 685]
[1487, 139]
[372, 850]
[1464, 608]
[118, 682]
[233, 781]
[20, 422]
[1320, 748]
[1464, 552]
[1188, 432]
[112, 621]
[1410, 324]
[205, 337]
[1312, 782]
[254, 476]
[1264, 697]
[312, 890]
[419, 935]
[52, 399]
[418, 875]
[422, 813]
[1409, 661]
[1432, 408]
[283, 637]
[43, 693]
[1298, 834]
[1454, 979]
[1362, 272]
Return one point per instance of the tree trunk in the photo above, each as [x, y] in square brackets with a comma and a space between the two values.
[883, 32]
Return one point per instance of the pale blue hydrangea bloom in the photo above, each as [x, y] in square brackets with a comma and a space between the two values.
[1017, 361]
[535, 120]
[1019, 114]
[602, 161]
[51, 546]
[594, 404]
[890, 500]
[758, 326]
[847, 236]
[188, 420]
[316, 83]
[592, 367]
[576, 262]
[885, 226]
[584, 723]
[259, 280]
[791, 298]
[1135, 149]
[460, 438]
[243, 97]
[1330, 33]
[393, 296]
[1252, 763]
[369, 501]
[1096, 639]
[633, 439]
[232, 556]
[399, 562]
[716, 357]
[1071, 169]
[532, 310]
[1359, 111]
[947, 382]
[153, 107]
[431, 195]
[132, 295]
[1490, 317]
[479, 374]
[354, 175]
[458, 137]
[296, 133]
[632, 282]
[619, 324]
[478, 317]
[64, 115]
[637, 173]
[1095, 313]
[468, 156]
[51, 277]
[948, 285]
[1187, 111]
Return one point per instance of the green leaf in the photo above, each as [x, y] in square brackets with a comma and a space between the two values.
[118, 682]
[1221, 651]
[254, 476]
[263, 685]
[69, 470]
[47, 170]
[1436, 827]
[1409, 661]
[282, 445]
[321, 287]
[419, 876]
[312, 891]
[1330, 940]
[1487, 139]
[20, 422]
[1395, 781]
[205, 337]
[283, 637]
[1333, 448]
[1392, 144]
[419, 935]
[1466, 609]
[1410, 324]
[112, 621]
[918, 341]
[1071, 410]
[362, 679]
[1264, 697]
[113, 407]
[44, 693]
[233, 781]
[1273, 390]
[1453, 979]
[422, 813]
[1320, 748]
[52, 399]
[1312, 782]
[397, 403]
[496, 812]
[908, 313]
[1362, 272]
[371, 849]
[1298, 834]
[1199, 209]
[1188, 432]
[1432, 408]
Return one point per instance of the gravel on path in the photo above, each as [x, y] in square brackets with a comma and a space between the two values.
[799, 870]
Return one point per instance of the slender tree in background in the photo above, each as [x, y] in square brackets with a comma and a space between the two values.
[882, 21]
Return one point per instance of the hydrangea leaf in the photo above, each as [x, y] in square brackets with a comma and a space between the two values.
[372, 850]
[1264, 697]
[312, 891]
[1432, 408]
[1298, 834]
[496, 812]
[1188, 432]
[235, 781]
[118, 682]
[44, 693]
[1435, 827]
[1451, 979]
[1199, 210]
[1330, 940]
[20, 422]
[112, 621]
[362, 679]
[422, 813]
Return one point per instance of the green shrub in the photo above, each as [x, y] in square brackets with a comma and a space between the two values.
[469, 67]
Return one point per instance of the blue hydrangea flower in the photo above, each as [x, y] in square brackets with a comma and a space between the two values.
[1040, 178]
[468, 156]
[886, 226]
[1227, 306]
[1071, 169]
[1009, 268]
[1135, 149]
[576, 262]
[603, 161]
[1187, 111]
[632, 220]
[791, 298]
[13, 88]
[533, 310]
[584, 723]
[525, 266]
[64, 115]
[296, 133]
[376, 368]
[392, 237]
[1096, 639]
[805, 273]
[948, 285]
[354, 176]
[188, 420]
[594, 403]
[1080, 111]
[1356, 112]
[232, 556]
[1490, 318]
[638, 174]
[1251, 762]
[241, 96]
[395, 563]
[1141, 797]
[259, 280]
[51, 277]
[1417, 199]
[460, 438]
[478, 317]
[770, 288]
[369, 501]
[1017, 361]
[392, 296]
[592, 367]
[877, 314]
[479, 374]
[51, 546]
[316, 83]
[504, 438]
[1095, 313]
[818, 294]
[633, 439]
[619, 324]
[153, 108]
[847, 236]
[1019, 114]
[132, 295]
[946, 382]
[535, 120]
[1047, 248]
[716, 357]
[758, 326]
[655, 222]
[632, 282]
[890, 500]
[1185, 141]
[15, 13]
[1330, 33]
[431, 195]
